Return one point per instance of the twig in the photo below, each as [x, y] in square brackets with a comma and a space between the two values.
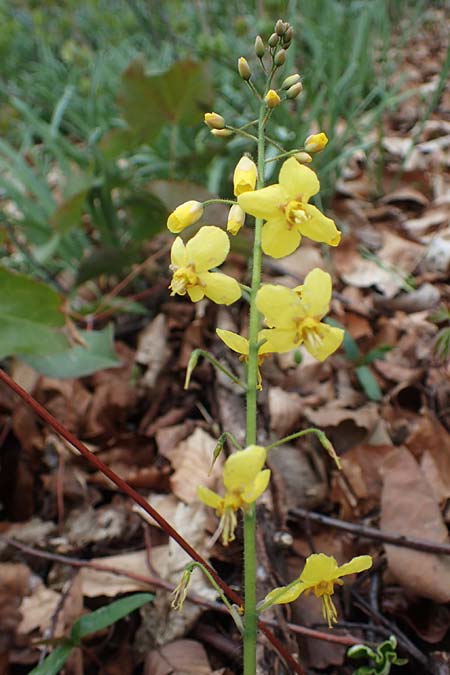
[373, 533]
[138, 499]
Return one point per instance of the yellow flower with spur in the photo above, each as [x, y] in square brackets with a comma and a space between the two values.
[191, 263]
[289, 216]
[320, 574]
[240, 345]
[294, 316]
[245, 480]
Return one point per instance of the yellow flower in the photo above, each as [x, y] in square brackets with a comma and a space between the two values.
[240, 345]
[245, 175]
[236, 219]
[244, 480]
[191, 264]
[320, 574]
[184, 215]
[293, 316]
[316, 142]
[289, 216]
[272, 99]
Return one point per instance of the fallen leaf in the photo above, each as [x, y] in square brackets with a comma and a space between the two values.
[183, 657]
[192, 461]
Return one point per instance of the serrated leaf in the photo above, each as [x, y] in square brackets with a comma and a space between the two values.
[368, 383]
[54, 662]
[79, 361]
[106, 616]
[30, 316]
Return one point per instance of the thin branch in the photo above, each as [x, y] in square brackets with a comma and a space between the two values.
[373, 533]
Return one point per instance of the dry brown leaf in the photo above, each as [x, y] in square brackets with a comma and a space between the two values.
[38, 611]
[153, 350]
[183, 657]
[192, 462]
[96, 582]
[408, 508]
[331, 415]
[285, 410]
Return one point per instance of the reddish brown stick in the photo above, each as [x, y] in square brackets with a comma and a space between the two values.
[138, 499]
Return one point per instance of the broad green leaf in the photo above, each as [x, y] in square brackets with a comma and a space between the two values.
[176, 96]
[105, 260]
[147, 215]
[376, 353]
[30, 316]
[54, 662]
[106, 616]
[79, 361]
[68, 214]
[368, 383]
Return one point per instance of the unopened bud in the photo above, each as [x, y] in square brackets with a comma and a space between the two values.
[184, 215]
[259, 47]
[272, 99]
[244, 69]
[245, 176]
[279, 27]
[289, 34]
[236, 219]
[273, 40]
[289, 81]
[222, 133]
[214, 120]
[316, 142]
[303, 157]
[280, 58]
[295, 90]
[287, 44]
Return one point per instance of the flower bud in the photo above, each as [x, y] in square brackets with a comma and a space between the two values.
[244, 69]
[245, 175]
[273, 40]
[272, 99]
[303, 157]
[236, 219]
[289, 34]
[214, 120]
[259, 47]
[280, 58]
[316, 142]
[279, 27]
[295, 90]
[184, 215]
[289, 81]
[222, 133]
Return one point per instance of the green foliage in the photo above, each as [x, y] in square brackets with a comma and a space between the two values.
[441, 317]
[381, 660]
[86, 625]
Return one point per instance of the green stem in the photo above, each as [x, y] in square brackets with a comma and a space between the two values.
[250, 613]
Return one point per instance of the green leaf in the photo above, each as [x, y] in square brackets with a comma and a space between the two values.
[110, 260]
[55, 661]
[176, 96]
[106, 616]
[376, 353]
[30, 316]
[79, 361]
[368, 383]
[147, 215]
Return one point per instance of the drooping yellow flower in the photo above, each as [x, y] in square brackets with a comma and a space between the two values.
[245, 175]
[316, 142]
[320, 574]
[293, 316]
[191, 263]
[184, 215]
[240, 345]
[288, 215]
[236, 219]
[245, 480]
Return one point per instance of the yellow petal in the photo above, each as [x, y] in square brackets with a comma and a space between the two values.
[208, 248]
[299, 181]
[242, 467]
[209, 497]
[278, 239]
[323, 341]
[234, 341]
[257, 488]
[220, 288]
[184, 215]
[319, 228]
[315, 293]
[358, 564]
[319, 567]
[280, 341]
[245, 175]
[178, 256]
[266, 347]
[284, 594]
[279, 305]
[264, 203]
[196, 293]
